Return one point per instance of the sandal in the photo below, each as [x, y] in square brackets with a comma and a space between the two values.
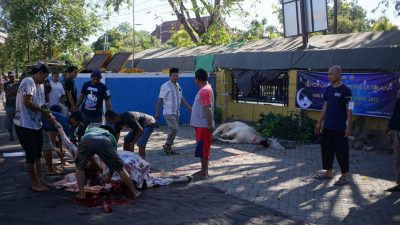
[169, 151]
[323, 176]
[341, 181]
[394, 189]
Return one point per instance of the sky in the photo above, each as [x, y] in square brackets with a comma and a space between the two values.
[150, 13]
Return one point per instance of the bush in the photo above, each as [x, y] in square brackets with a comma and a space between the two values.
[296, 127]
[218, 115]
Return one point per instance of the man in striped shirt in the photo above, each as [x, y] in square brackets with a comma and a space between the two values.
[171, 97]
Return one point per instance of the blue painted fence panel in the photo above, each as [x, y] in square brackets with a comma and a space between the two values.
[140, 92]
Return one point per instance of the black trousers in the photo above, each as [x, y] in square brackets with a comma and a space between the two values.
[335, 143]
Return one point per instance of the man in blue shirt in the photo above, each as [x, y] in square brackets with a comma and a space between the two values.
[92, 95]
[336, 118]
[69, 123]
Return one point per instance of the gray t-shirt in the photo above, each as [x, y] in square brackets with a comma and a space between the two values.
[205, 97]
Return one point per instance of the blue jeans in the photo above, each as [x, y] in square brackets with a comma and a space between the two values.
[144, 137]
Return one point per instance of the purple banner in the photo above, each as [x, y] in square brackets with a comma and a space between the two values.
[374, 94]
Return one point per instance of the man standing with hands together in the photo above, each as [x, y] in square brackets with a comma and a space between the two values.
[336, 118]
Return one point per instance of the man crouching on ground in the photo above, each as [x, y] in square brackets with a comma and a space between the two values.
[102, 142]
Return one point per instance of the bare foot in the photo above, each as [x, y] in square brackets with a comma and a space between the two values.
[200, 175]
[53, 171]
[39, 187]
[66, 164]
[44, 183]
[81, 196]
[137, 194]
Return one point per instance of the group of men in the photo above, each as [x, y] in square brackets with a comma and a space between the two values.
[33, 115]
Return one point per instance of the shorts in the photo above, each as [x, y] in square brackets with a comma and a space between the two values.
[10, 113]
[203, 142]
[101, 146]
[31, 141]
[144, 137]
[47, 144]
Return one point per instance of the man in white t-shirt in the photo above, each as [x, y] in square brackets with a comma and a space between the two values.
[28, 124]
[57, 90]
[171, 97]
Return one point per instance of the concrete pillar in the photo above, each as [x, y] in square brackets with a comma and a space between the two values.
[224, 91]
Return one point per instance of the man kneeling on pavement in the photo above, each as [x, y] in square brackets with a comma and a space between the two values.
[100, 141]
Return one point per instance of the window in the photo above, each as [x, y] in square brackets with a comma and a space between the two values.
[274, 92]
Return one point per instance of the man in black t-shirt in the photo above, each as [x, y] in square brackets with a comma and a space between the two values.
[336, 116]
[92, 95]
[394, 130]
[70, 89]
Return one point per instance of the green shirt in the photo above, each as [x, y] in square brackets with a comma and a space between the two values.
[96, 131]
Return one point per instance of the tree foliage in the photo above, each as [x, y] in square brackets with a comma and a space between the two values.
[386, 4]
[181, 38]
[46, 26]
[199, 30]
[383, 24]
[120, 40]
[352, 17]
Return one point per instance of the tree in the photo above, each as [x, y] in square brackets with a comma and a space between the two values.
[181, 38]
[185, 9]
[39, 27]
[388, 3]
[351, 17]
[78, 57]
[383, 24]
[120, 40]
[217, 35]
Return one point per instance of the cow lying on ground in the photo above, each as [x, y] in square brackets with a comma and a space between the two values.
[239, 132]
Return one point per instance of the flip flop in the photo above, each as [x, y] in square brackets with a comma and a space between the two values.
[394, 189]
[170, 152]
[341, 181]
[323, 176]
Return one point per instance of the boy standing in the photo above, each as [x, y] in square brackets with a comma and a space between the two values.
[202, 119]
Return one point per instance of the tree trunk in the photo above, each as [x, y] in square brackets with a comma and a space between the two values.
[335, 16]
[181, 17]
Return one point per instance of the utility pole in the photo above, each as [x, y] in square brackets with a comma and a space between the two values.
[48, 36]
[160, 33]
[28, 37]
[335, 16]
[303, 24]
[133, 33]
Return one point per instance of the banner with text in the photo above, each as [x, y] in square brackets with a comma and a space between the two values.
[374, 94]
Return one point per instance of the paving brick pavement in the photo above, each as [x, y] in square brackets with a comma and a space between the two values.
[282, 179]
